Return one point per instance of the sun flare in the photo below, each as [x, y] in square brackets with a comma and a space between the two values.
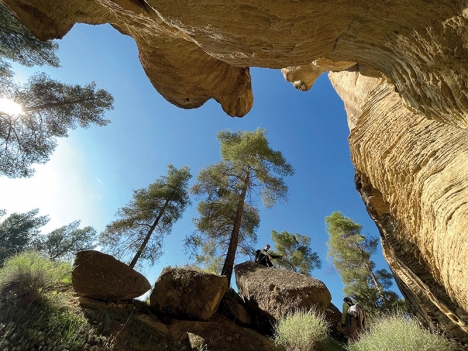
[10, 107]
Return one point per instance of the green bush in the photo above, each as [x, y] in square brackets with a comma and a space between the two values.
[301, 330]
[396, 333]
[30, 275]
[38, 310]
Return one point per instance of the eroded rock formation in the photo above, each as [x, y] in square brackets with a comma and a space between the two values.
[407, 106]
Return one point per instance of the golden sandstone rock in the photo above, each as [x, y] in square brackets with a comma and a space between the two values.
[403, 78]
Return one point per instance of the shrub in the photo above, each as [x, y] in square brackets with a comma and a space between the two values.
[37, 313]
[301, 330]
[396, 333]
[29, 276]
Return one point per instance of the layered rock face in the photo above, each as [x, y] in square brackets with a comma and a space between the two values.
[407, 106]
[411, 173]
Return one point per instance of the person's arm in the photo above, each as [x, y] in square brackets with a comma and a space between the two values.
[276, 256]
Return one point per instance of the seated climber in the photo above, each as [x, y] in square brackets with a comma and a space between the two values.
[264, 257]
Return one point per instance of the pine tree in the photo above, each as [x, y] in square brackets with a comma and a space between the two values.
[351, 253]
[296, 251]
[150, 214]
[63, 243]
[48, 108]
[20, 45]
[249, 166]
[17, 231]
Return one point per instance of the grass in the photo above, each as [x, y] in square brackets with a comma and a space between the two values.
[38, 310]
[396, 333]
[301, 331]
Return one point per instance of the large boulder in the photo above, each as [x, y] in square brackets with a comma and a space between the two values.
[187, 293]
[101, 276]
[272, 293]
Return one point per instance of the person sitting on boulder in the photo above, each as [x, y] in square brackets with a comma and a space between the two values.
[264, 257]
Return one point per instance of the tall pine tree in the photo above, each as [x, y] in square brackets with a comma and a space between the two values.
[351, 253]
[147, 217]
[249, 167]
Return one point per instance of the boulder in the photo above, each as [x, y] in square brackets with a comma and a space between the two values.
[187, 293]
[234, 308]
[272, 293]
[101, 276]
[333, 317]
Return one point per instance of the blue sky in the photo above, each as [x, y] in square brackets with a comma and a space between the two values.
[93, 172]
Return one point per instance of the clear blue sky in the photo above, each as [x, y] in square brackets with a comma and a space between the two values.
[93, 172]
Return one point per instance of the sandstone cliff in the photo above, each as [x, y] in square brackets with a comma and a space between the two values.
[406, 101]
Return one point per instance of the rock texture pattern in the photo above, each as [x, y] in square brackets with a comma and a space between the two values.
[101, 276]
[189, 293]
[413, 179]
[272, 293]
[407, 106]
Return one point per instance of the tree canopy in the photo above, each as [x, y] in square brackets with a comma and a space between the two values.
[17, 232]
[49, 108]
[351, 253]
[63, 243]
[249, 168]
[153, 210]
[297, 253]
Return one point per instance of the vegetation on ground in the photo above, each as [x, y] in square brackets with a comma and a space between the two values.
[301, 330]
[21, 232]
[37, 309]
[398, 332]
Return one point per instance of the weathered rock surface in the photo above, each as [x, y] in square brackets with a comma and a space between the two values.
[409, 165]
[188, 293]
[101, 276]
[272, 293]
[411, 173]
[196, 50]
[234, 308]
[333, 316]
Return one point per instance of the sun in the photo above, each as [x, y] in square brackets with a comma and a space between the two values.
[10, 107]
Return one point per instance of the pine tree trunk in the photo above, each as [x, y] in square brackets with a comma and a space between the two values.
[148, 236]
[376, 283]
[228, 266]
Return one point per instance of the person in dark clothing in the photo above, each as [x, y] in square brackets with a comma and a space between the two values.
[353, 319]
[264, 257]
